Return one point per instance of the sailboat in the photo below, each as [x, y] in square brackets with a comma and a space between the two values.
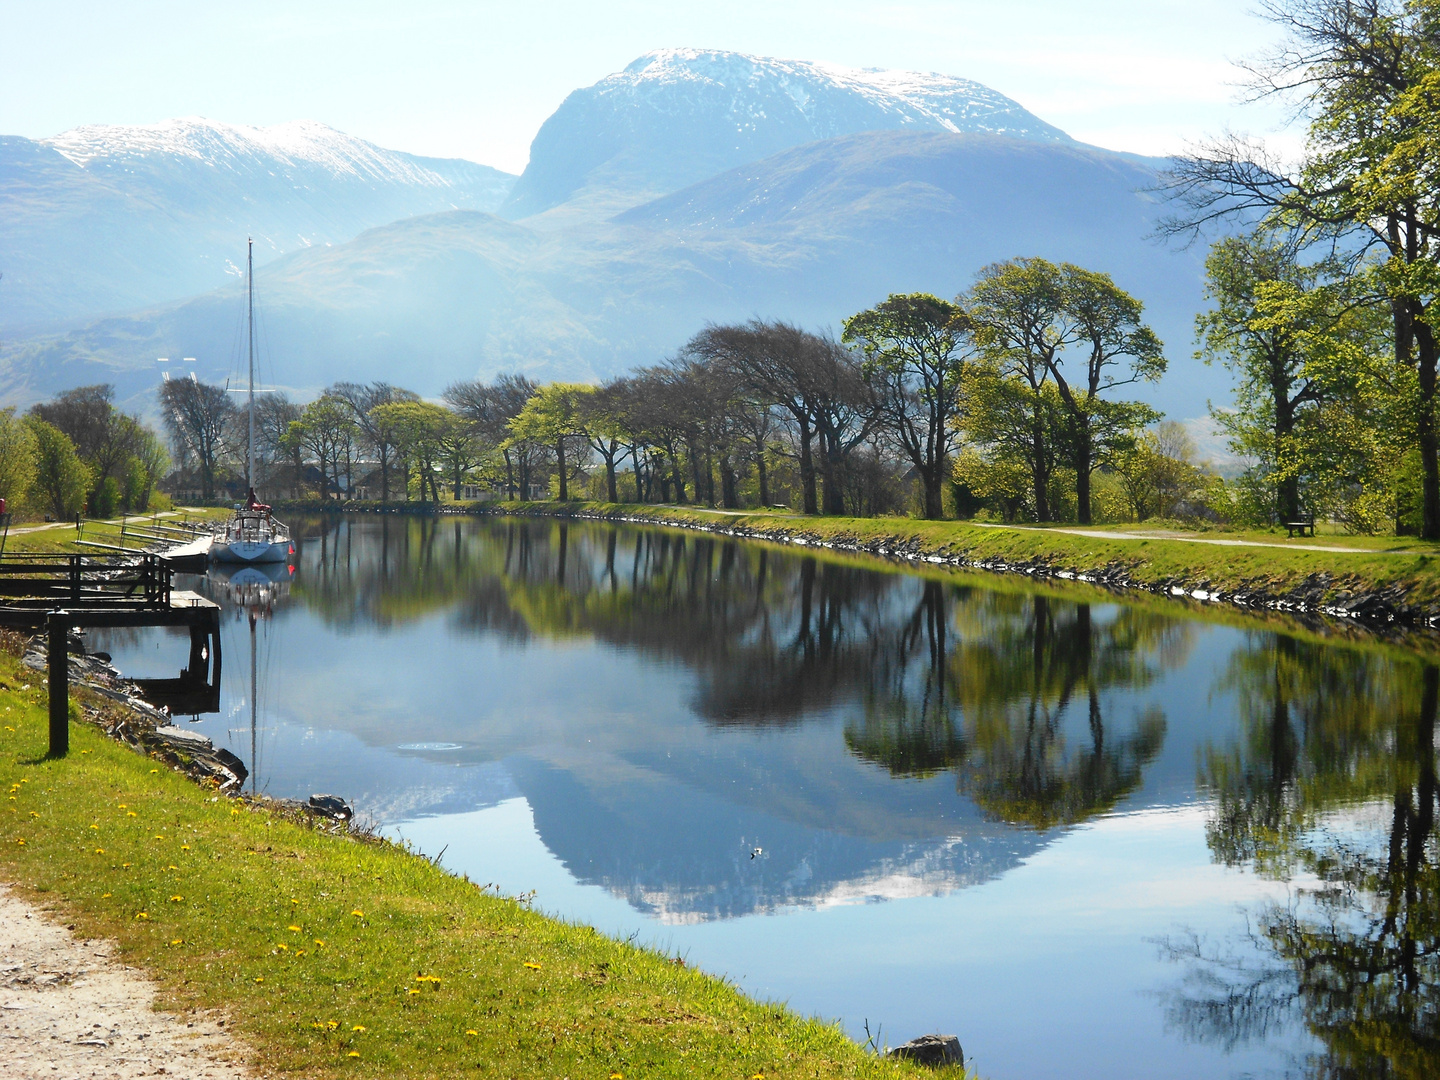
[252, 535]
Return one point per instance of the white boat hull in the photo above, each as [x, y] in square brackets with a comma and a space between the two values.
[250, 551]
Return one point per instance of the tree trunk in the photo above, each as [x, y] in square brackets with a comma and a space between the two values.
[384, 473]
[1083, 455]
[1429, 450]
[509, 476]
[560, 459]
[834, 495]
[764, 478]
[610, 478]
[934, 500]
[729, 497]
[807, 470]
[679, 481]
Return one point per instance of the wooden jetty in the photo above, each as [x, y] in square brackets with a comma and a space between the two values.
[63, 592]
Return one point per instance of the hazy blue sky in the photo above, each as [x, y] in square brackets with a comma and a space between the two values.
[477, 79]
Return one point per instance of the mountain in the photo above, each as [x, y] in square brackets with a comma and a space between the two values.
[109, 218]
[677, 116]
[810, 234]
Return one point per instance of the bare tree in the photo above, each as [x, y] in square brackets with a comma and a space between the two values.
[197, 416]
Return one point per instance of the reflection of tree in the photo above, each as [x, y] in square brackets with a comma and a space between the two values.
[1016, 709]
[1332, 778]
[1009, 692]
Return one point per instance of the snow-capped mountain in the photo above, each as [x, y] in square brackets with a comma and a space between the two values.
[676, 116]
[299, 148]
[105, 218]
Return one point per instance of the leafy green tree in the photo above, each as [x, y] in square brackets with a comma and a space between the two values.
[61, 480]
[461, 448]
[1367, 74]
[1038, 322]
[916, 347]
[553, 415]
[327, 429]
[17, 459]
[1304, 354]
[416, 428]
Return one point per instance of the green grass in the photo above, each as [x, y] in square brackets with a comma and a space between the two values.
[336, 956]
[61, 536]
[1411, 567]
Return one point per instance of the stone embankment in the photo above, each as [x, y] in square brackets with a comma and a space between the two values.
[1321, 594]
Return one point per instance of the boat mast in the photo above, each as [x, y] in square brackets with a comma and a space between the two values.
[250, 287]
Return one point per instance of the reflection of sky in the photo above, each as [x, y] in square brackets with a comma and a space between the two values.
[583, 773]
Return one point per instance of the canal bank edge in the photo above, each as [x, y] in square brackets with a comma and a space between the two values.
[412, 971]
[1376, 590]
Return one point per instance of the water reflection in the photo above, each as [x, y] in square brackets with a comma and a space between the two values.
[708, 733]
[1331, 787]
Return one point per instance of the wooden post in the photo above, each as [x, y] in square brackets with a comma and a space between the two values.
[58, 624]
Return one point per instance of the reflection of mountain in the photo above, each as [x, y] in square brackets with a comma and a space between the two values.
[794, 679]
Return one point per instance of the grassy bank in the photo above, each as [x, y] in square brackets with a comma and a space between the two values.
[120, 532]
[1405, 571]
[333, 956]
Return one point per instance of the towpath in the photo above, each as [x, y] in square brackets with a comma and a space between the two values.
[68, 1008]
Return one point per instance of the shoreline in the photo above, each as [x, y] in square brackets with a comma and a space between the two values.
[1378, 591]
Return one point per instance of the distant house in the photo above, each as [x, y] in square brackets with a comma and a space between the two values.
[481, 493]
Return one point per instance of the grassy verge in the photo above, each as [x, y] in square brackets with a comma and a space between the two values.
[1407, 570]
[61, 536]
[336, 956]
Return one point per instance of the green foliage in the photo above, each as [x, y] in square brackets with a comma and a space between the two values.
[61, 479]
[340, 957]
[17, 459]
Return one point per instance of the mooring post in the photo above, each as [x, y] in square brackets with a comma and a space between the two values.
[58, 624]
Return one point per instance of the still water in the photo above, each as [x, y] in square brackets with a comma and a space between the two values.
[1093, 840]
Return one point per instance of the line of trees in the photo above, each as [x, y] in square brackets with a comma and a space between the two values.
[1023, 371]
[79, 454]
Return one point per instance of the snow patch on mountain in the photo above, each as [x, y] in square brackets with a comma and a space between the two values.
[241, 147]
[826, 94]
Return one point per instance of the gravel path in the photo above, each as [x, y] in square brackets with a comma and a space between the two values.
[69, 1009]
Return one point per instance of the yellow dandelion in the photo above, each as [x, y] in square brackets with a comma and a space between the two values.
[130, 813]
[124, 805]
[282, 945]
[184, 847]
[259, 978]
[178, 941]
[99, 851]
[95, 826]
[142, 915]
[20, 840]
[233, 811]
[84, 751]
[105, 896]
[293, 929]
[319, 943]
[159, 838]
[153, 771]
[172, 866]
[358, 913]
[332, 1024]
[531, 964]
[295, 902]
[176, 899]
[125, 865]
[318, 1026]
[358, 1027]
[412, 990]
[617, 1076]
[353, 1053]
[471, 1031]
[299, 952]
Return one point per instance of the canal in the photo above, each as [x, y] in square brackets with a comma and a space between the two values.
[1093, 839]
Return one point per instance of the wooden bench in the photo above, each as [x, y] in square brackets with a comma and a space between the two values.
[1305, 527]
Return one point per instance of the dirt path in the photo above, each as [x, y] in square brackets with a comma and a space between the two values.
[1217, 541]
[69, 1009]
